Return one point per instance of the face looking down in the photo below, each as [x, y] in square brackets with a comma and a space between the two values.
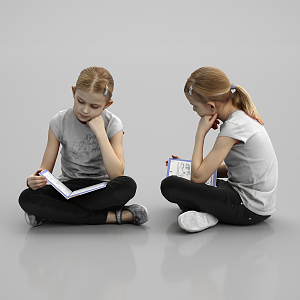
[202, 109]
[88, 105]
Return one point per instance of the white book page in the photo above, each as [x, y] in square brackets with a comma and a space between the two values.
[210, 180]
[57, 184]
[88, 189]
[180, 168]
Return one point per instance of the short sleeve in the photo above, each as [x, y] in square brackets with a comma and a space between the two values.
[56, 125]
[112, 123]
[234, 131]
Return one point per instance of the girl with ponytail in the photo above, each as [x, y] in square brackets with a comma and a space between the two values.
[250, 165]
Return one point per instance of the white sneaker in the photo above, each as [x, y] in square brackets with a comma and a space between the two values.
[194, 221]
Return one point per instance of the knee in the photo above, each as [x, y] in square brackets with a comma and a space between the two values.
[130, 185]
[125, 185]
[25, 199]
[168, 185]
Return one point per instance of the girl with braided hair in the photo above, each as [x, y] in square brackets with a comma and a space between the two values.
[91, 140]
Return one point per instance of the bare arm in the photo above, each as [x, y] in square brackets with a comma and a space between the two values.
[51, 152]
[111, 150]
[35, 181]
[202, 169]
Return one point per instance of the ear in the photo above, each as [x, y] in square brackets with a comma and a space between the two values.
[73, 90]
[212, 105]
[108, 103]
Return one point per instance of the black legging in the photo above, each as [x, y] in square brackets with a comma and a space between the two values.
[90, 208]
[222, 201]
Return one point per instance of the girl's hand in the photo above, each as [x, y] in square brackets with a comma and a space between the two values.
[208, 122]
[35, 181]
[215, 125]
[173, 156]
[96, 123]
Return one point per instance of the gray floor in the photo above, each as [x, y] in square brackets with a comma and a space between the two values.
[155, 261]
[151, 48]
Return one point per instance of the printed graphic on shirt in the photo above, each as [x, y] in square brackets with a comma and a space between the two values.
[84, 150]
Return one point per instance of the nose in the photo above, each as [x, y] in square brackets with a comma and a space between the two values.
[85, 109]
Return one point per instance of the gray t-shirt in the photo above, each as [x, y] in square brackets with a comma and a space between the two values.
[252, 164]
[80, 153]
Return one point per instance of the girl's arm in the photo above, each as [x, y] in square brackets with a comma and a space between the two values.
[202, 169]
[112, 151]
[35, 181]
[51, 152]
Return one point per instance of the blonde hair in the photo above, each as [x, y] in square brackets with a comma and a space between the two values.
[94, 79]
[211, 84]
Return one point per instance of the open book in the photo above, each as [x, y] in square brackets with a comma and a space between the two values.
[182, 168]
[65, 191]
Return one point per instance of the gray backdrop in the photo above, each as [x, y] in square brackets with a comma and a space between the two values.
[150, 48]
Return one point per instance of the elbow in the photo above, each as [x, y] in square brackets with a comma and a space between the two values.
[116, 174]
[198, 179]
[195, 179]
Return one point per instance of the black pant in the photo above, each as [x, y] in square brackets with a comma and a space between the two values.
[222, 201]
[90, 208]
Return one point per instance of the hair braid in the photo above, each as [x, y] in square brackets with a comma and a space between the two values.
[95, 79]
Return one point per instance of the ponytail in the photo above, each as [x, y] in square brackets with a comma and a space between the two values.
[242, 100]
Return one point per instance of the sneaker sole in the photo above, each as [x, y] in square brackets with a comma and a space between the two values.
[194, 221]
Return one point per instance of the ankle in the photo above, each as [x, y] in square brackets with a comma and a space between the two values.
[111, 217]
[127, 216]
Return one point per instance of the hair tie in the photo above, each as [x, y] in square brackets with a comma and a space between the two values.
[106, 90]
[191, 89]
[232, 89]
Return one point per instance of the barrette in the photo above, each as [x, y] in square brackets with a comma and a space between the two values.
[106, 90]
[232, 89]
[191, 89]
